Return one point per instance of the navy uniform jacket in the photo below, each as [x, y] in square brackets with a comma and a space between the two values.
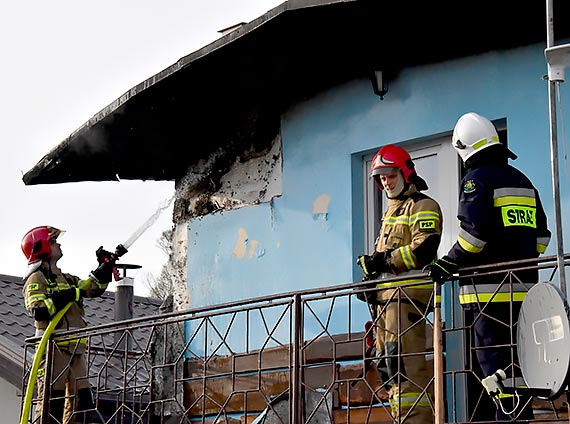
[501, 219]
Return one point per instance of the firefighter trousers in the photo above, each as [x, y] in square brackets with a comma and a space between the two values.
[401, 348]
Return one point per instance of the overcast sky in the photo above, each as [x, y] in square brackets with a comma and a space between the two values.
[62, 62]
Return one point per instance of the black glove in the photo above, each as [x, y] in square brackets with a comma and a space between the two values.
[375, 264]
[368, 296]
[104, 272]
[441, 269]
[63, 297]
[103, 255]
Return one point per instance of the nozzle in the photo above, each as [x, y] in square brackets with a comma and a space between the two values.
[120, 250]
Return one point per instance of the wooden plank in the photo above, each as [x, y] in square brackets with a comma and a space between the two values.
[268, 359]
[339, 347]
[233, 394]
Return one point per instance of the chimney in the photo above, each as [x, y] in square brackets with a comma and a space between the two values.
[124, 293]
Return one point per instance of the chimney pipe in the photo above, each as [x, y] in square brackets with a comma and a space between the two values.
[124, 293]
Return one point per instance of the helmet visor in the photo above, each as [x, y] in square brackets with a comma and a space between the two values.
[384, 170]
[54, 233]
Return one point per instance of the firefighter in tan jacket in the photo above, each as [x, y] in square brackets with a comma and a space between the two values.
[46, 291]
[408, 241]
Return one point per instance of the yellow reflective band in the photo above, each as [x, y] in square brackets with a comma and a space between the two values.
[468, 246]
[399, 283]
[397, 220]
[409, 399]
[63, 286]
[33, 286]
[40, 297]
[437, 300]
[82, 340]
[479, 144]
[83, 284]
[490, 297]
[520, 216]
[483, 142]
[424, 215]
[541, 248]
[50, 306]
[514, 201]
[406, 252]
[412, 219]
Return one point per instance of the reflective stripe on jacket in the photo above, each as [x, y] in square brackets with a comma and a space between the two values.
[484, 293]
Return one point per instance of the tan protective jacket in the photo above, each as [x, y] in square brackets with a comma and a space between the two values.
[406, 225]
[38, 288]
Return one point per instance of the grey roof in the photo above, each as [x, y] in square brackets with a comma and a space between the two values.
[16, 325]
[231, 93]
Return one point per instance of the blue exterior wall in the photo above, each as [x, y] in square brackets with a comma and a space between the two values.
[288, 248]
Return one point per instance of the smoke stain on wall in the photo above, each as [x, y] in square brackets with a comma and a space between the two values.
[224, 182]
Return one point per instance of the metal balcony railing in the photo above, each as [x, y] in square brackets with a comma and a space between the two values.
[298, 357]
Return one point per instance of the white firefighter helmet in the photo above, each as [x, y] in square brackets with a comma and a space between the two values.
[473, 133]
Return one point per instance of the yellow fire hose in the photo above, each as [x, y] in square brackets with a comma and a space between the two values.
[36, 364]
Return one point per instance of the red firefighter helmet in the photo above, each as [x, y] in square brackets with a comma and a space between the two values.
[35, 243]
[389, 159]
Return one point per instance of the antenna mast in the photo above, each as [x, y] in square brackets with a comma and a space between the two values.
[557, 58]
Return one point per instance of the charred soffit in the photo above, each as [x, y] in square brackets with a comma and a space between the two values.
[232, 97]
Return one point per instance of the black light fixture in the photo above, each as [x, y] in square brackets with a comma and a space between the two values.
[379, 83]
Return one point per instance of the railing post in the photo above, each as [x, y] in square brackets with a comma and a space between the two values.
[439, 415]
[46, 390]
[296, 383]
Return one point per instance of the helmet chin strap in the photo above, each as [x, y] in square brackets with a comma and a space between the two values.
[398, 188]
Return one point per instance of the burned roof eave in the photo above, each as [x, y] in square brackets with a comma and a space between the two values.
[163, 125]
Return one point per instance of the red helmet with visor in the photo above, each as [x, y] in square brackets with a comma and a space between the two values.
[36, 243]
[389, 159]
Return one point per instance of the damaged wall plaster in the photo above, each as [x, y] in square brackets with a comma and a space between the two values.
[177, 267]
[216, 184]
[251, 180]
[321, 205]
[223, 183]
[244, 246]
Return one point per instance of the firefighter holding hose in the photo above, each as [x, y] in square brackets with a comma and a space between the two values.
[47, 290]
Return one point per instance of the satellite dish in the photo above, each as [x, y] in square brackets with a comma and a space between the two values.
[543, 340]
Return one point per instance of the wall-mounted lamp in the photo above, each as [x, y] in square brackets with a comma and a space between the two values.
[379, 84]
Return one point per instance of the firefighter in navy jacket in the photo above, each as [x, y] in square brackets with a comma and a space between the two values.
[501, 219]
[408, 240]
